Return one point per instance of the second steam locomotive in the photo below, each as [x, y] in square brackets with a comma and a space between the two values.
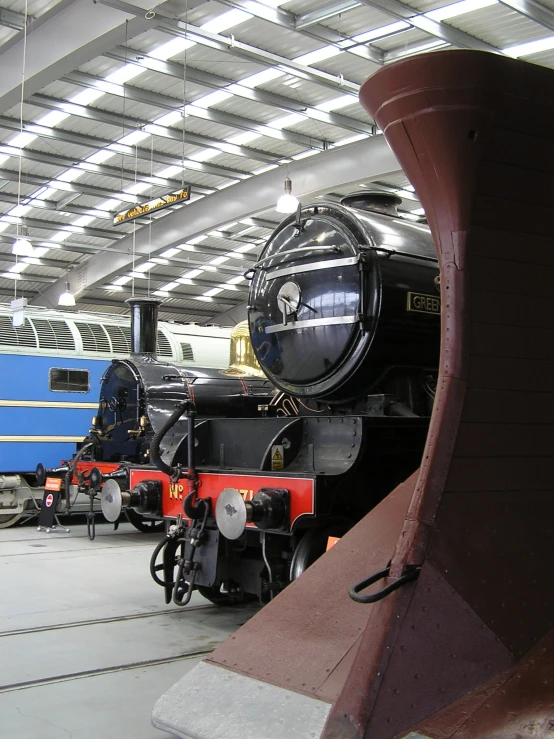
[344, 316]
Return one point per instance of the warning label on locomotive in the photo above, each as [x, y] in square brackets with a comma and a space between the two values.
[53, 483]
[277, 457]
[421, 303]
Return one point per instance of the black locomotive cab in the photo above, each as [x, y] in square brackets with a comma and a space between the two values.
[344, 317]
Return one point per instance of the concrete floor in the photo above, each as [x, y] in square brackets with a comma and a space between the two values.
[87, 644]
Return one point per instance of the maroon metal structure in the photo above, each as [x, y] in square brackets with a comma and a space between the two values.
[467, 649]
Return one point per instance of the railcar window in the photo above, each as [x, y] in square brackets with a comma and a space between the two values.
[69, 380]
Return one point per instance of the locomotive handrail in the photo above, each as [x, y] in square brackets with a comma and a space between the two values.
[396, 252]
[329, 247]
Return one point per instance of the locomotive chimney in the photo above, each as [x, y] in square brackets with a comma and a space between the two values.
[377, 201]
[144, 325]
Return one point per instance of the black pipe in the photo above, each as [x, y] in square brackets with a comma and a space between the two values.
[155, 456]
[144, 325]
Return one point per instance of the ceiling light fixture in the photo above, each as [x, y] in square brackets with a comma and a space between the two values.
[66, 299]
[22, 248]
[287, 203]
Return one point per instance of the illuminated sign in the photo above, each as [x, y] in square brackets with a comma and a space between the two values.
[152, 206]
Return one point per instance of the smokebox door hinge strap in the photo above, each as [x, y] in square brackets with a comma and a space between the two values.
[412, 573]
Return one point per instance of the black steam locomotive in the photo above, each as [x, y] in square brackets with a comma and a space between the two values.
[137, 395]
[344, 316]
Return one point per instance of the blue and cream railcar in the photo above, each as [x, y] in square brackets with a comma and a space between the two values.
[50, 372]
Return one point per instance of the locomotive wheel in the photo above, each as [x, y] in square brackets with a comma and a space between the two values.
[145, 525]
[313, 544]
[7, 521]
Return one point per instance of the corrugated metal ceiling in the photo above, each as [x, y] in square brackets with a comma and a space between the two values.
[233, 120]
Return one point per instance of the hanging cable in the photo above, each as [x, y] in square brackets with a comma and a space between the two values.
[23, 69]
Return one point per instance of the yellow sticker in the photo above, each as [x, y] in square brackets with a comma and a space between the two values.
[277, 457]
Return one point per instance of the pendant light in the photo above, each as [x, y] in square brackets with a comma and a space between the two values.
[66, 299]
[287, 203]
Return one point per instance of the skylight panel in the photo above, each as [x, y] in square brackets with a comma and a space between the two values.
[168, 253]
[171, 48]
[192, 274]
[243, 138]
[531, 47]
[326, 52]
[52, 119]
[260, 78]
[340, 102]
[133, 138]
[455, 9]
[382, 31]
[204, 155]
[170, 286]
[235, 280]
[145, 267]
[137, 188]
[170, 171]
[19, 267]
[22, 139]
[100, 157]
[87, 96]
[124, 74]
[287, 120]
[122, 280]
[170, 118]
[218, 96]
[226, 20]
[218, 260]
[212, 292]
[19, 210]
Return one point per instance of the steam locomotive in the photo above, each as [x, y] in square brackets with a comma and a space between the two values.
[66, 354]
[138, 394]
[344, 317]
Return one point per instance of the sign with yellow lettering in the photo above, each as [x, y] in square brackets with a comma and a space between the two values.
[152, 206]
[421, 303]
[277, 457]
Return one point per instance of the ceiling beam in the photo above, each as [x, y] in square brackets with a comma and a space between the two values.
[93, 191]
[164, 308]
[170, 103]
[103, 170]
[195, 111]
[313, 31]
[70, 34]
[13, 20]
[453, 36]
[42, 262]
[30, 277]
[237, 48]
[95, 143]
[135, 124]
[97, 233]
[338, 167]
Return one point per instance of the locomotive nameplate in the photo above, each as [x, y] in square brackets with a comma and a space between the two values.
[422, 303]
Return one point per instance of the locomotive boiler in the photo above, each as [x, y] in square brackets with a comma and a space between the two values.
[344, 316]
[138, 394]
